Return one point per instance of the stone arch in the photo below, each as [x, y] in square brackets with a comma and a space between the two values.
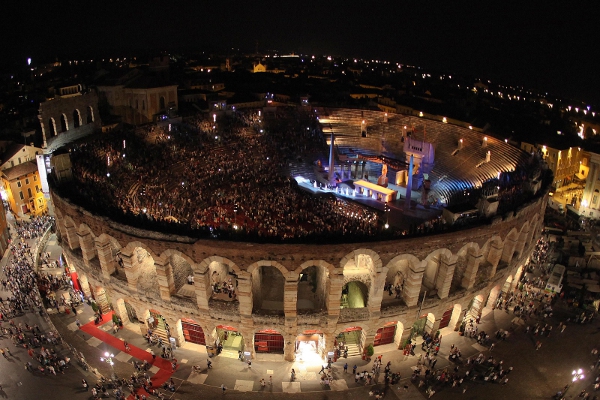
[362, 259]
[355, 294]
[64, 122]
[52, 127]
[90, 114]
[313, 285]
[205, 265]
[131, 246]
[76, 118]
[490, 250]
[389, 333]
[87, 243]
[433, 277]
[268, 280]
[180, 270]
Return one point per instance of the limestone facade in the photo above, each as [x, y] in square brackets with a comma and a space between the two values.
[457, 274]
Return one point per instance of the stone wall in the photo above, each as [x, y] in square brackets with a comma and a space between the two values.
[481, 251]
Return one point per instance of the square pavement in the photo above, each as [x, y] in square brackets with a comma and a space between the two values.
[338, 385]
[291, 387]
[479, 347]
[154, 369]
[123, 357]
[72, 326]
[243, 386]
[94, 342]
[197, 378]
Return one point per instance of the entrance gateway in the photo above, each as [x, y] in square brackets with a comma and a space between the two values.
[386, 334]
[192, 332]
[231, 340]
[268, 341]
[310, 346]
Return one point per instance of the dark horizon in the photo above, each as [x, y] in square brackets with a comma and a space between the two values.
[547, 47]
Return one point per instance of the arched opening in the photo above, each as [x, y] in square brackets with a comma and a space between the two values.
[474, 309]
[90, 115]
[64, 123]
[76, 118]
[268, 284]
[158, 325]
[126, 312]
[352, 339]
[183, 276]
[268, 341]
[423, 325]
[102, 300]
[355, 294]
[223, 281]
[230, 340]
[451, 317]
[394, 283]
[161, 103]
[310, 347]
[52, 127]
[312, 289]
[388, 334]
[192, 331]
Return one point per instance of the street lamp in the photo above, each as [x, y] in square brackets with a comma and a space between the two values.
[236, 208]
[577, 375]
[108, 358]
[386, 210]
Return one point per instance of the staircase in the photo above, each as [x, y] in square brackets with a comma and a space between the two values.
[352, 341]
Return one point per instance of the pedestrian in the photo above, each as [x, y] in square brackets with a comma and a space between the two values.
[249, 364]
[153, 355]
[346, 368]
[127, 348]
[85, 384]
[354, 370]
[270, 380]
[78, 323]
[223, 388]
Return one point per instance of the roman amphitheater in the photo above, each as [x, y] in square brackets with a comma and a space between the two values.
[298, 299]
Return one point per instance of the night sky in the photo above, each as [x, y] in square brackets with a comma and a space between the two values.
[544, 45]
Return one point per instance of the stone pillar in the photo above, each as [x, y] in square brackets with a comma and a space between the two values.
[85, 285]
[405, 336]
[105, 256]
[203, 289]
[248, 336]
[72, 238]
[130, 268]
[444, 280]
[164, 275]
[468, 280]
[334, 296]
[412, 285]
[244, 289]
[86, 243]
[508, 250]
[289, 345]
[494, 257]
[290, 298]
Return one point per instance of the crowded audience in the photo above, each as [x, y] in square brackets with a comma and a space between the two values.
[229, 175]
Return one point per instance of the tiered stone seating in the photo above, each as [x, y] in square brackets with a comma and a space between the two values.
[451, 173]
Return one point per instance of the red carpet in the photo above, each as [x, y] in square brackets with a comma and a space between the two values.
[158, 379]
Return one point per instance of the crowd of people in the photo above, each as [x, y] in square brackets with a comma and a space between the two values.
[21, 282]
[231, 175]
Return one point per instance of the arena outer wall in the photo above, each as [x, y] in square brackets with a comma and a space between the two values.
[470, 268]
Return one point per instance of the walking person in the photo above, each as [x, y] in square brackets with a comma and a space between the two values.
[223, 388]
